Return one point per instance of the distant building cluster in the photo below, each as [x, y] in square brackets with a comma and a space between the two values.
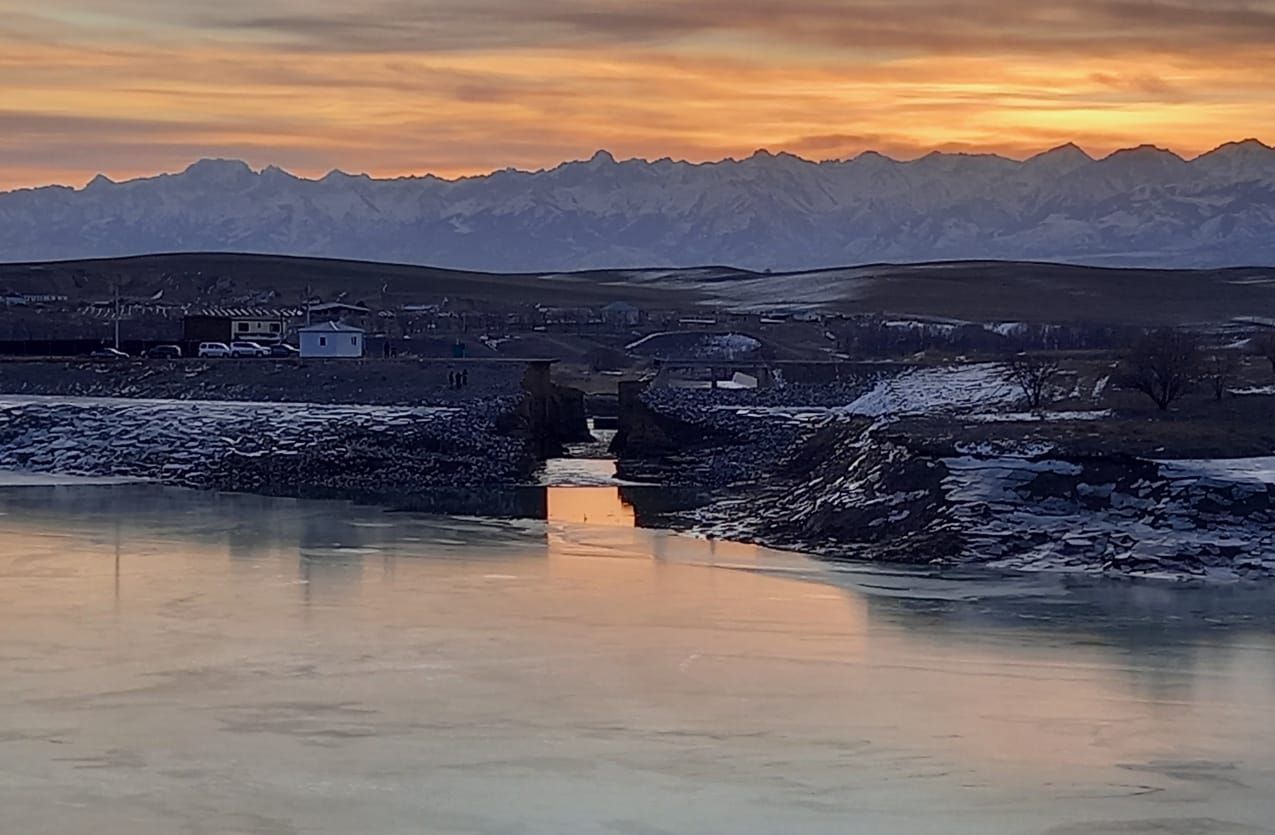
[52, 324]
[13, 299]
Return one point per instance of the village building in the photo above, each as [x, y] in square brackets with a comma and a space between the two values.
[236, 324]
[331, 340]
[337, 311]
[622, 315]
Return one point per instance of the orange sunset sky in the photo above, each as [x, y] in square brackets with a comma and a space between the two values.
[133, 87]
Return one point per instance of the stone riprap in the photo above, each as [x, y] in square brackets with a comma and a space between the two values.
[743, 433]
[843, 474]
[1129, 515]
[277, 448]
[747, 433]
[860, 496]
[408, 382]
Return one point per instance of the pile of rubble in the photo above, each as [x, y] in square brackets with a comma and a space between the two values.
[852, 493]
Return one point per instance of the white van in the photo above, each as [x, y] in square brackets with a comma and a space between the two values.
[213, 350]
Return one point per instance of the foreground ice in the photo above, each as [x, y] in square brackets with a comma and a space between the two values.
[1255, 470]
[16, 478]
[181, 662]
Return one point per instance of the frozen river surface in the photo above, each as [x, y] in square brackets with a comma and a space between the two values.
[176, 662]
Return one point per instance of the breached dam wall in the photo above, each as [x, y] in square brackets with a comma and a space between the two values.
[277, 448]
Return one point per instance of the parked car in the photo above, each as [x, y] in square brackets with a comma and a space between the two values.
[165, 352]
[283, 350]
[213, 350]
[248, 349]
[105, 353]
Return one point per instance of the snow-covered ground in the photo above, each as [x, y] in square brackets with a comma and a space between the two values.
[1045, 417]
[946, 390]
[1254, 470]
[1199, 517]
[795, 415]
[691, 345]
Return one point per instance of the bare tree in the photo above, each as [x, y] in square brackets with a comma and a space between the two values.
[1032, 373]
[1264, 346]
[1220, 370]
[1162, 365]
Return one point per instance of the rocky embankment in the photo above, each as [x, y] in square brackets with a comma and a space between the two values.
[362, 429]
[282, 449]
[874, 497]
[692, 437]
[857, 481]
[398, 382]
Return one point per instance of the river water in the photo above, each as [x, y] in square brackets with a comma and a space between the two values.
[179, 662]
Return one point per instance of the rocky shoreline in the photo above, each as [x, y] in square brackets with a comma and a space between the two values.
[368, 429]
[879, 500]
[925, 466]
[273, 448]
[862, 482]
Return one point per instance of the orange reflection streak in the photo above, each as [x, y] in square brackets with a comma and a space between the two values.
[588, 506]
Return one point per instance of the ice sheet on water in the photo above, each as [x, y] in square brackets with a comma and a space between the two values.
[10, 478]
[1251, 470]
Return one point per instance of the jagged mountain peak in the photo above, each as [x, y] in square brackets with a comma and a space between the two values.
[765, 158]
[1247, 160]
[1070, 152]
[218, 165]
[874, 158]
[1245, 149]
[336, 175]
[1247, 146]
[274, 172]
[219, 172]
[1144, 152]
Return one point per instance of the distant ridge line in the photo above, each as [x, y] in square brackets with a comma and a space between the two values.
[604, 156]
[395, 265]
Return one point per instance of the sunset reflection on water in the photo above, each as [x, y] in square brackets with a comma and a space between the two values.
[181, 641]
[589, 506]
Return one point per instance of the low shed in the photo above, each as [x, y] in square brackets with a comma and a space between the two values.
[331, 339]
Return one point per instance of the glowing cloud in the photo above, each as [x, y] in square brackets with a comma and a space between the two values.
[462, 86]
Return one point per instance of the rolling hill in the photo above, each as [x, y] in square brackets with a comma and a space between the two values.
[977, 291]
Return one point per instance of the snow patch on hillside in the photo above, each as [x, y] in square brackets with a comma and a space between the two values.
[947, 390]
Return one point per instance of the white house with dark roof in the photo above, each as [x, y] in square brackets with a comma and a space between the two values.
[330, 340]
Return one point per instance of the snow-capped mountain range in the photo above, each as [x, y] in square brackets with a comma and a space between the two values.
[1142, 206]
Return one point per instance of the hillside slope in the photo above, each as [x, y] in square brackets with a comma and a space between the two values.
[978, 291]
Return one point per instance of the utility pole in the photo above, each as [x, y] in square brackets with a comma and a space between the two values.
[117, 314]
